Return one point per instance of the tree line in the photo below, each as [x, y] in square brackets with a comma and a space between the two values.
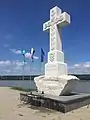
[27, 77]
[17, 77]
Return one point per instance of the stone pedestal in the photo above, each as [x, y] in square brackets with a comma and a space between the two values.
[55, 69]
[55, 66]
[62, 85]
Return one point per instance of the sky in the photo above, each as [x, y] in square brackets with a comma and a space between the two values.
[21, 27]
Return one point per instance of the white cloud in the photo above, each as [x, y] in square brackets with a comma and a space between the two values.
[7, 71]
[76, 65]
[18, 63]
[86, 65]
[15, 67]
[15, 51]
[10, 63]
[80, 68]
[5, 62]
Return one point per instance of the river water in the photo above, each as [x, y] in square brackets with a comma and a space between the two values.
[18, 83]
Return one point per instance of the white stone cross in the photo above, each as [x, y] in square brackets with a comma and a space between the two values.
[57, 20]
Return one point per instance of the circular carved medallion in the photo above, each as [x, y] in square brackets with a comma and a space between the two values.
[51, 57]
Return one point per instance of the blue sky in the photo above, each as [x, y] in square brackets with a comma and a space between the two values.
[21, 28]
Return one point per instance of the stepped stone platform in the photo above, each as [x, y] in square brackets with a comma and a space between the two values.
[60, 103]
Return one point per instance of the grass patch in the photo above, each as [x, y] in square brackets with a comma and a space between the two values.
[23, 89]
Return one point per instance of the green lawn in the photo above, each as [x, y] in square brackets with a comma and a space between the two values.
[23, 89]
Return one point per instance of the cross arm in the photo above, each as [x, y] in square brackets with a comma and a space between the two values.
[64, 19]
[46, 26]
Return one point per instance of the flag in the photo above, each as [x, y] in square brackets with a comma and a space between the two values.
[42, 55]
[32, 54]
[23, 53]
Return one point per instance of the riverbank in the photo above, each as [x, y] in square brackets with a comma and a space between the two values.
[25, 84]
[11, 108]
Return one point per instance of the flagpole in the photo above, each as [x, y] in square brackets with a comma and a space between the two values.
[30, 69]
[23, 72]
[42, 60]
[23, 69]
[41, 68]
[23, 65]
[32, 54]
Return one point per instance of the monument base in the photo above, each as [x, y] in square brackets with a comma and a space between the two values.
[55, 69]
[61, 85]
